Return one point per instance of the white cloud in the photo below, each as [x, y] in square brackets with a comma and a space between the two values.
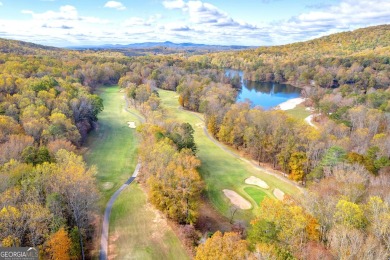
[136, 21]
[62, 27]
[66, 13]
[205, 13]
[347, 15]
[174, 27]
[1, 3]
[198, 21]
[206, 19]
[176, 4]
[115, 5]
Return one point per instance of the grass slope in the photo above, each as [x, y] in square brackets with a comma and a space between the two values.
[256, 194]
[138, 232]
[112, 148]
[299, 112]
[219, 169]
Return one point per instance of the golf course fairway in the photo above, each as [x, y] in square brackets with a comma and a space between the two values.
[221, 168]
[136, 229]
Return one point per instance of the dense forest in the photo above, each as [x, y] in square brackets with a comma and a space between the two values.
[345, 162]
[48, 194]
[48, 104]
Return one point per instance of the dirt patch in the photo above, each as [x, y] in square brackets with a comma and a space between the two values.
[257, 182]
[160, 224]
[111, 246]
[237, 200]
[107, 185]
[279, 194]
[210, 220]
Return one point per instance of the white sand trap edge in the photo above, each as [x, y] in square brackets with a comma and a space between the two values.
[237, 200]
[309, 120]
[131, 124]
[290, 104]
[256, 181]
[278, 194]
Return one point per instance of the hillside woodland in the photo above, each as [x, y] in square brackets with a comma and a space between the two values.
[48, 104]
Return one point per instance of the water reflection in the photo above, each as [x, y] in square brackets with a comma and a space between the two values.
[264, 94]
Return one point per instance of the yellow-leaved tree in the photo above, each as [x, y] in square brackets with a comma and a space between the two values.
[58, 245]
[227, 246]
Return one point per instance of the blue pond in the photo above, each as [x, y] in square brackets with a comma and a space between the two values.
[264, 94]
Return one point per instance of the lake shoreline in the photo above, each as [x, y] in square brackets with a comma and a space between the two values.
[267, 95]
[289, 104]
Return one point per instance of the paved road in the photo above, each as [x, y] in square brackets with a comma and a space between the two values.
[107, 213]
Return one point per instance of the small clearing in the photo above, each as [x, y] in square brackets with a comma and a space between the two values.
[237, 200]
[131, 124]
[256, 181]
[290, 104]
[278, 194]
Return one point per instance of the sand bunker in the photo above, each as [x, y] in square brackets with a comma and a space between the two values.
[256, 181]
[237, 200]
[290, 104]
[131, 124]
[309, 120]
[279, 194]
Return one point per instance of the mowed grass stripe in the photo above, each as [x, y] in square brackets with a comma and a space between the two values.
[113, 145]
[256, 194]
[138, 231]
[135, 227]
[219, 169]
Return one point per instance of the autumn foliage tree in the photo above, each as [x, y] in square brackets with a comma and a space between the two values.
[175, 184]
[223, 246]
[58, 245]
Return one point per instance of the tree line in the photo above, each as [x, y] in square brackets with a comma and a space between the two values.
[168, 156]
[48, 194]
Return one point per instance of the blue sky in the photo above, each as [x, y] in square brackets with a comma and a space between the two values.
[226, 22]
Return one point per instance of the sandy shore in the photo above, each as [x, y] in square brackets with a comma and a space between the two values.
[290, 104]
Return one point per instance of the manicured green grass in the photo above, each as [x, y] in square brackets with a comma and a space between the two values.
[137, 231]
[112, 148]
[221, 170]
[299, 112]
[113, 145]
[256, 194]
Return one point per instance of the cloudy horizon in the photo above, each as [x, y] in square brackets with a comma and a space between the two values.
[63, 23]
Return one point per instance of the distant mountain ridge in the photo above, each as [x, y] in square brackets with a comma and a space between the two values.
[338, 44]
[21, 47]
[166, 44]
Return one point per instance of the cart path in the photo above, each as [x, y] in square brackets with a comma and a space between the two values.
[107, 213]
